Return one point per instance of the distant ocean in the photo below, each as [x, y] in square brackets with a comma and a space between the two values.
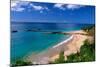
[25, 42]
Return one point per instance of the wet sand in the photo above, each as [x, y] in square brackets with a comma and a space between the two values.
[69, 46]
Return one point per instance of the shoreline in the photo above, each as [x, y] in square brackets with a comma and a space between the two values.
[69, 46]
[67, 40]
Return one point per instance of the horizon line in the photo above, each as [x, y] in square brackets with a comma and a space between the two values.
[50, 22]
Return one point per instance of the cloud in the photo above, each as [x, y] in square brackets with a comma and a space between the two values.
[60, 6]
[36, 7]
[39, 8]
[67, 6]
[18, 6]
[19, 9]
[13, 4]
[72, 7]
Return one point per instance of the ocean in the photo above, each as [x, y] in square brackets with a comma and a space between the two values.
[24, 41]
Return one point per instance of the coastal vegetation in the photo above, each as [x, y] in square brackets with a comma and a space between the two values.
[86, 54]
[61, 59]
[89, 29]
[21, 62]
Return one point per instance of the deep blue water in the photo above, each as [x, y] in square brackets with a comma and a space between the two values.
[24, 42]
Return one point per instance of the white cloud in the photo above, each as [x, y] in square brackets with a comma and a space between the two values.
[13, 4]
[71, 6]
[36, 7]
[18, 6]
[60, 6]
[67, 6]
[39, 8]
[19, 9]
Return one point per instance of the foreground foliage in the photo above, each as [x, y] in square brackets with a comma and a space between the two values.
[86, 54]
[61, 59]
[21, 62]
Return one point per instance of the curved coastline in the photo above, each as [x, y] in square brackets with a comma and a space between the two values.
[69, 46]
[44, 57]
[65, 41]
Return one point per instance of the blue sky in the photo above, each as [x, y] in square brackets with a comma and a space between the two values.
[51, 12]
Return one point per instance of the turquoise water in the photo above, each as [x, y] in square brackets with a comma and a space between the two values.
[29, 42]
[24, 42]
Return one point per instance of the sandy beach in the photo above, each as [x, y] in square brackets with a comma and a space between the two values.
[69, 46]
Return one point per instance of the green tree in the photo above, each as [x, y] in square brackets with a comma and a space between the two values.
[86, 54]
[21, 62]
[89, 29]
[61, 58]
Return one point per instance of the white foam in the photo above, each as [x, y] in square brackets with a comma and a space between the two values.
[71, 37]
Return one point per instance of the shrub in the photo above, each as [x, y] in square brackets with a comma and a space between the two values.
[21, 62]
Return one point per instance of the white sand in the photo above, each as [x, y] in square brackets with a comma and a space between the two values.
[71, 45]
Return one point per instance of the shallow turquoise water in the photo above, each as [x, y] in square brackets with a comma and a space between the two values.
[29, 42]
[24, 43]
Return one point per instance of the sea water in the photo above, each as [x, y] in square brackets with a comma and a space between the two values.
[24, 42]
